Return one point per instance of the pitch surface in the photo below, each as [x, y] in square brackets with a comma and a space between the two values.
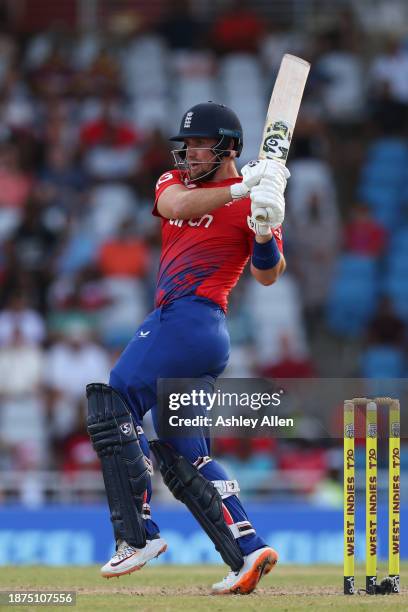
[181, 588]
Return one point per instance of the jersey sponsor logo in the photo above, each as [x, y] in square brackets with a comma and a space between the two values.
[204, 221]
[167, 176]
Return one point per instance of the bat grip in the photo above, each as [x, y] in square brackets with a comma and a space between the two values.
[260, 215]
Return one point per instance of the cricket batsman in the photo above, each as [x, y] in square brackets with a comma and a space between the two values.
[209, 233]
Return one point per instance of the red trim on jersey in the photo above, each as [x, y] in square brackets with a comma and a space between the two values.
[166, 179]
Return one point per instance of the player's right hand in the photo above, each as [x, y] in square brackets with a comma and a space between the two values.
[254, 171]
[268, 203]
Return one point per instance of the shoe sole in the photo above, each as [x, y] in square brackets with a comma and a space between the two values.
[261, 566]
[135, 568]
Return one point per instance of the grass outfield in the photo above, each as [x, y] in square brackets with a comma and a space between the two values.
[186, 588]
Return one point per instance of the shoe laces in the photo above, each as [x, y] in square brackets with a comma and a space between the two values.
[124, 550]
[230, 576]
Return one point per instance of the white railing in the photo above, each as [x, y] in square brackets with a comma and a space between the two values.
[35, 488]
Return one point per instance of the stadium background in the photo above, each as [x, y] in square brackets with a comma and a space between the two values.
[89, 91]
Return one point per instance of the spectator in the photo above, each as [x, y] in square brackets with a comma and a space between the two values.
[77, 248]
[15, 187]
[18, 110]
[22, 416]
[280, 39]
[21, 364]
[314, 238]
[77, 298]
[389, 72]
[311, 177]
[304, 464]
[54, 77]
[8, 44]
[74, 453]
[238, 30]
[109, 204]
[110, 144]
[32, 248]
[178, 27]
[109, 128]
[62, 179]
[251, 460]
[125, 254]
[341, 72]
[291, 364]
[58, 125]
[154, 161]
[328, 492]
[71, 363]
[17, 317]
[279, 308]
[362, 234]
[101, 78]
[386, 328]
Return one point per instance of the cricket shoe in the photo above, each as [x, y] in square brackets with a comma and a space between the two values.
[256, 565]
[128, 559]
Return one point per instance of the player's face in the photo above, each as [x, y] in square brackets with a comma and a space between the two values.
[200, 156]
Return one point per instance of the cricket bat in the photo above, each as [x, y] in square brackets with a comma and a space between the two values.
[282, 112]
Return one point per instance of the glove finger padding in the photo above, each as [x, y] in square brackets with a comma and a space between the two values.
[258, 169]
[253, 172]
[266, 194]
[260, 215]
[261, 198]
[259, 228]
[275, 170]
[270, 212]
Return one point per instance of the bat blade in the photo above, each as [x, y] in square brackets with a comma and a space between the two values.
[283, 110]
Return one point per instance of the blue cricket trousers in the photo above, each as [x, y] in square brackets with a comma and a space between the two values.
[187, 338]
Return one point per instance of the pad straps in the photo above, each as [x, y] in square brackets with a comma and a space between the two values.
[201, 498]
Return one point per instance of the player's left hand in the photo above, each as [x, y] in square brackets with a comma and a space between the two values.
[268, 195]
[276, 172]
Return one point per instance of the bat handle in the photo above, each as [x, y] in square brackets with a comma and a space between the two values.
[260, 215]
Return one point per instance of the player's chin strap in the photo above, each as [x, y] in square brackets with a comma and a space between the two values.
[202, 499]
[181, 163]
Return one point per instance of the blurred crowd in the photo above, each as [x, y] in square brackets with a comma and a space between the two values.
[84, 121]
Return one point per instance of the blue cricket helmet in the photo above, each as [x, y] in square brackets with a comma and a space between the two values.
[212, 120]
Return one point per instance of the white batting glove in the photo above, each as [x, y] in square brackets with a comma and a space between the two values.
[268, 202]
[259, 228]
[254, 171]
[277, 172]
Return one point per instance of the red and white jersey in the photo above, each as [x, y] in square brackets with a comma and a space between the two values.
[204, 256]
